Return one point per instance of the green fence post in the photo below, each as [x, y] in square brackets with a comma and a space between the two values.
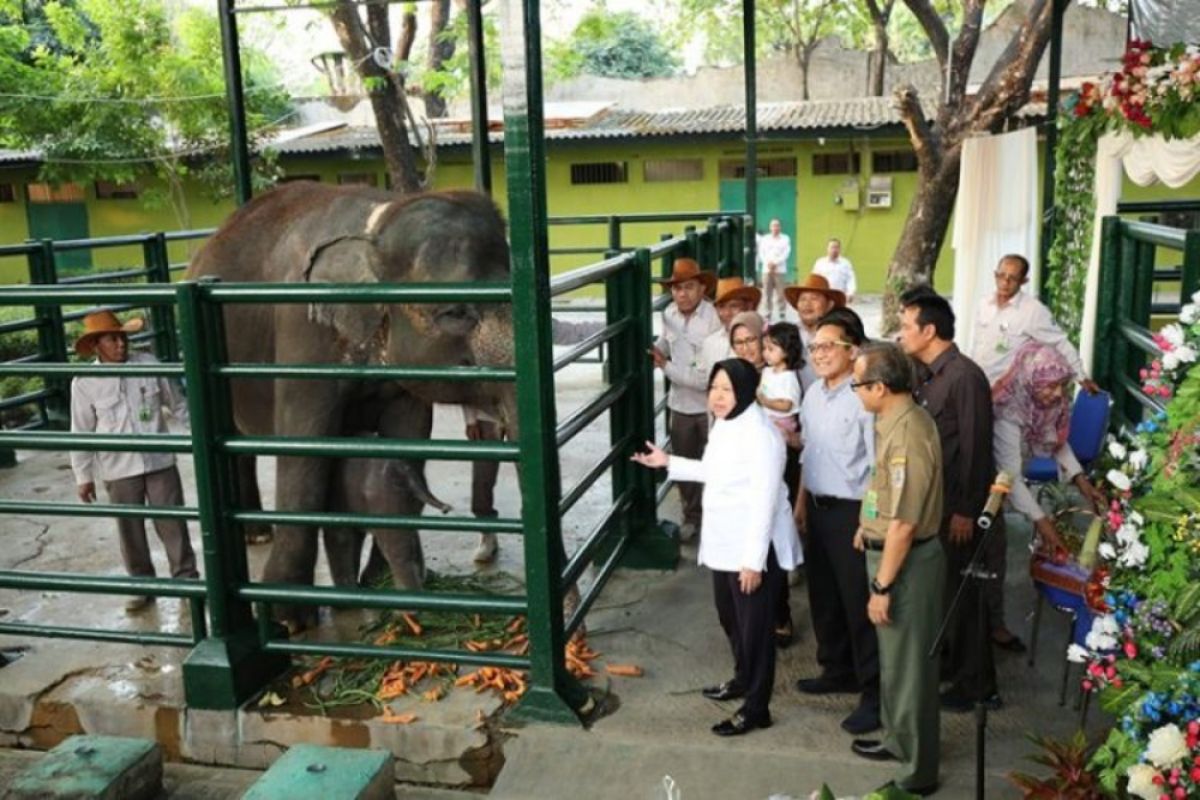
[614, 234]
[664, 267]
[749, 250]
[653, 544]
[158, 270]
[693, 242]
[52, 337]
[228, 666]
[553, 696]
[1190, 281]
[1127, 355]
[1106, 304]
[713, 254]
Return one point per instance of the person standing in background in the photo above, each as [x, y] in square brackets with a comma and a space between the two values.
[837, 269]
[774, 250]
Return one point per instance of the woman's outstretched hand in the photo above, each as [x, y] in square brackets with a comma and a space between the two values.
[655, 458]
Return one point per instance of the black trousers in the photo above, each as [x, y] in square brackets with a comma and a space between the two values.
[747, 620]
[791, 479]
[967, 660]
[838, 591]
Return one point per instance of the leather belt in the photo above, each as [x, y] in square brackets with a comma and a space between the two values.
[877, 544]
[824, 501]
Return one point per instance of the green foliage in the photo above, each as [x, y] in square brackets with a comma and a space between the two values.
[612, 45]
[454, 78]
[1069, 778]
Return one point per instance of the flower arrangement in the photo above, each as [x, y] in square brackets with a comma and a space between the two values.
[1155, 90]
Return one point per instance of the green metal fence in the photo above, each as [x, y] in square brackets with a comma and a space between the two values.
[234, 647]
[1129, 251]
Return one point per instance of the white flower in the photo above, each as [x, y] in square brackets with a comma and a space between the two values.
[1196, 297]
[1135, 518]
[1135, 555]
[1077, 654]
[1185, 354]
[1189, 314]
[1103, 635]
[1141, 782]
[1107, 551]
[1167, 747]
[1127, 534]
[1173, 333]
[1138, 459]
[1170, 361]
[1117, 450]
[1119, 480]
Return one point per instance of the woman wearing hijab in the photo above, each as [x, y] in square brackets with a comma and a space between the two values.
[749, 538]
[745, 337]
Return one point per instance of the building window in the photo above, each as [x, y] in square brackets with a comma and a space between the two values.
[661, 170]
[41, 193]
[735, 169]
[357, 179]
[109, 190]
[600, 172]
[894, 161]
[8, 193]
[293, 178]
[836, 163]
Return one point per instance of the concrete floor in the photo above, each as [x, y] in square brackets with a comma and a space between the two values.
[663, 621]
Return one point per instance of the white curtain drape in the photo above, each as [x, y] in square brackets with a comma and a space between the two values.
[1146, 160]
[996, 213]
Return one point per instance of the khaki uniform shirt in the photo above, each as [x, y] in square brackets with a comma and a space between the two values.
[906, 478]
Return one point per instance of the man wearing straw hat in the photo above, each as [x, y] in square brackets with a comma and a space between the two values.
[130, 405]
[687, 322]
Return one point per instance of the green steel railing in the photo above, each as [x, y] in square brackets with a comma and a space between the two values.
[234, 650]
[1127, 277]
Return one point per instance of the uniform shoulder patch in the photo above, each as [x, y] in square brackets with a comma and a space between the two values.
[897, 474]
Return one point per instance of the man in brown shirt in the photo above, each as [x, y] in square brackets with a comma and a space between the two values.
[955, 392]
[898, 529]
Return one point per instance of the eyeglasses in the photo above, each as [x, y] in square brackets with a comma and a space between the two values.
[1004, 276]
[744, 342]
[825, 347]
[856, 385]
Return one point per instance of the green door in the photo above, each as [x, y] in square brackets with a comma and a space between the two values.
[776, 200]
[53, 217]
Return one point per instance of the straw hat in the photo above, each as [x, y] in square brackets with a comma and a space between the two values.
[100, 323]
[813, 283]
[736, 289]
[686, 269]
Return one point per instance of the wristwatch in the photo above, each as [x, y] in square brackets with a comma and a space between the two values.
[878, 588]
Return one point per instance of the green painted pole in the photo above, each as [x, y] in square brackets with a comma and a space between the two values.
[553, 696]
[1048, 166]
[750, 69]
[481, 154]
[158, 270]
[231, 56]
[1106, 306]
[52, 337]
[1190, 281]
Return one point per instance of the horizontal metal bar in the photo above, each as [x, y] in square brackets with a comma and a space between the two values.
[597, 339]
[666, 247]
[660, 406]
[428, 522]
[660, 302]
[30, 630]
[674, 216]
[593, 592]
[101, 584]
[41, 295]
[157, 369]
[71, 316]
[18, 249]
[65, 245]
[26, 399]
[599, 468]
[599, 531]
[662, 491]
[104, 277]
[16, 326]
[1139, 337]
[1156, 206]
[366, 372]
[1168, 275]
[571, 308]
[1160, 235]
[580, 251]
[98, 510]
[381, 598]
[107, 442]
[587, 275]
[490, 292]
[180, 236]
[391, 652]
[1149, 403]
[366, 447]
[572, 425]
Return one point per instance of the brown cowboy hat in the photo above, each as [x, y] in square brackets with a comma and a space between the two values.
[813, 283]
[686, 269]
[736, 289]
[100, 323]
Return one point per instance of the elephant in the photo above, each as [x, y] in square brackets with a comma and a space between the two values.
[312, 233]
[378, 486]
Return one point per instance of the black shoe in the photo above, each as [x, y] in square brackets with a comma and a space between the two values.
[921, 791]
[956, 702]
[738, 724]
[784, 636]
[863, 719]
[823, 684]
[873, 750]
[723, 691]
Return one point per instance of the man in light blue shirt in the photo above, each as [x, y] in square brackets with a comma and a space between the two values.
[839, 443]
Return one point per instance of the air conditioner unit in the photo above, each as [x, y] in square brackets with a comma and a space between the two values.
[879, 192]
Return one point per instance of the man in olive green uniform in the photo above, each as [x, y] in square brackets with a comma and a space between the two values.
[901, 514]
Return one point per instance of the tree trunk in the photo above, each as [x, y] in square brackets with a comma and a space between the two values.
[877, 61]
[441, 50]
[916, 255]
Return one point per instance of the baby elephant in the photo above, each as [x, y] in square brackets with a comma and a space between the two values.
[378, 486]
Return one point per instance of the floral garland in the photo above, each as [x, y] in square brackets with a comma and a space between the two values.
[1142, 651]
[1157, 91]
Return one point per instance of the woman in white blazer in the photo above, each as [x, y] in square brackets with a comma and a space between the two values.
[749, 537]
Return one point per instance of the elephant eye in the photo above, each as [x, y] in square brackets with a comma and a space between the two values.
[459, 319]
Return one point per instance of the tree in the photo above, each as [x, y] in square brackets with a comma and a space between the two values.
[880, 12]
[612, 45]
[938, 141]
[101, 98]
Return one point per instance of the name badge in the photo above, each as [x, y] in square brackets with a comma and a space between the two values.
[870, 506]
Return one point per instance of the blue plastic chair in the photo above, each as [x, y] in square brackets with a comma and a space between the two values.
[1089, 424]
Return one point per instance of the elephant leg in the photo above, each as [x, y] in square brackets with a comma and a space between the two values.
[251, 500]
[377, 569]
[343, 550]
[301, 485]
[402, 549]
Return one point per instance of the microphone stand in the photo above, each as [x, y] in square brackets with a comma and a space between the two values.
[975, 573]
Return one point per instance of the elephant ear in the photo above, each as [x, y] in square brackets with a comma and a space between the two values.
[361, 329]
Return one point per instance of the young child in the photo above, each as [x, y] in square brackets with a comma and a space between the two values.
[779, 390]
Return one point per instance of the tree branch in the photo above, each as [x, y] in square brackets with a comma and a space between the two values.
[408, 34]
[935, 29]
[924, 141]
[1007, 86]
[964, 50]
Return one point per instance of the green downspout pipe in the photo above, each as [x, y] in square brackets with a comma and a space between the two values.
[481, 156]
[751, 73]
[231, 56]
[1052, 100]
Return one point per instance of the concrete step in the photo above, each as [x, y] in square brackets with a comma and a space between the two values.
[312, 772]
[92, 768]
